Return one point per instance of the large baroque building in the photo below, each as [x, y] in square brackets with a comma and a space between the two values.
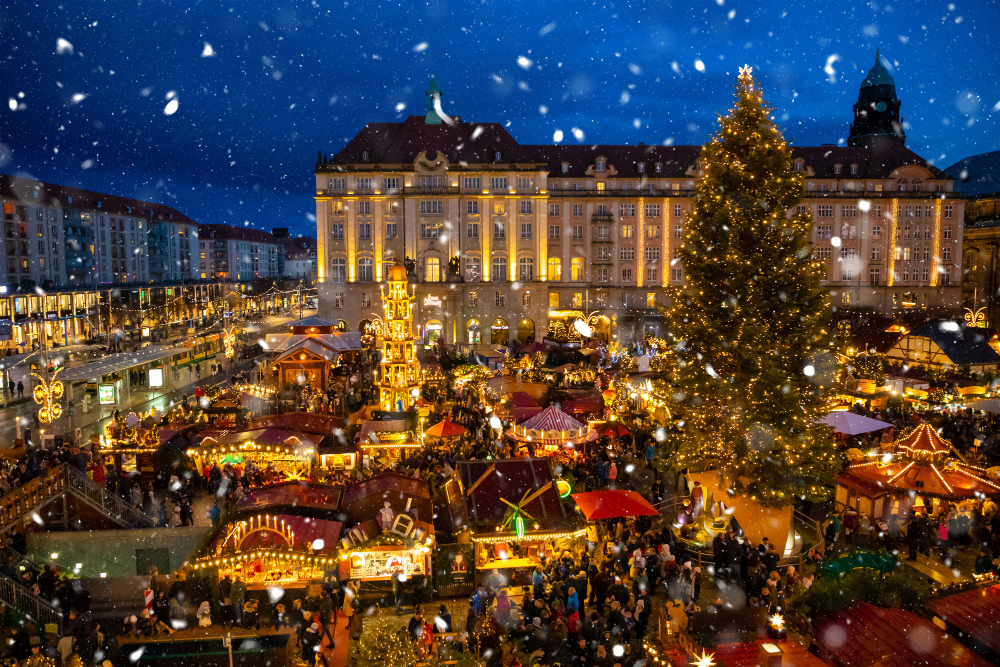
[508, 241]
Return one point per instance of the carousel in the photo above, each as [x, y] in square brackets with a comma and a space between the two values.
[552, 432]
[273, 550]
[922, 473]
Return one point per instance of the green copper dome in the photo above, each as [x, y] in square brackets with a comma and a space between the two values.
[878, 75]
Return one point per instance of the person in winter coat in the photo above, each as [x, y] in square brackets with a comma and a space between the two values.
[238, 593]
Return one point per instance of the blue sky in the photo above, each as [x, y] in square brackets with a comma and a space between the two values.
[259, 87]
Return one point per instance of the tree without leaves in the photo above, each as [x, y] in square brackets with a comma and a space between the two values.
[750, 327]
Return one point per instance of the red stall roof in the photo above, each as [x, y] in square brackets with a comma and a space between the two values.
[975, 613]
[866, 635]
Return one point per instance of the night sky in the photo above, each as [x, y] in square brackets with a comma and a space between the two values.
[256, 88]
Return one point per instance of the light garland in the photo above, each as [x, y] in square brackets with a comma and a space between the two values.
[496, 538]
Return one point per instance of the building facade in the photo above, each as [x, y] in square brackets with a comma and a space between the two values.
[508, 241]
[299, 259]
[56, 236]
[236, 253]
[173, 251]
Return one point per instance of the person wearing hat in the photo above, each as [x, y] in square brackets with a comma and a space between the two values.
[251, 617]
[37, 658]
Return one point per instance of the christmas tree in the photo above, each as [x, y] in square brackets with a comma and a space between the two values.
[750, 327]
[382, 647]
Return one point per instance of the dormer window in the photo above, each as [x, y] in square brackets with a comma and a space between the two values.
[642, 167]
[600, 165]
[798, 165]
[836, 169]
[364, 156]
[854, 170]
[659, 167]
[497, 156]
[565, 167]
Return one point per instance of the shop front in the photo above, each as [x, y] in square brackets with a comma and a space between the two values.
[290, 461]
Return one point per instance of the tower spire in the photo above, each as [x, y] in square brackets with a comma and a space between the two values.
[878, 61]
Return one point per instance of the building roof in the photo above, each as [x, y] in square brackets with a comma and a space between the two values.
[303, 247]
[229, 232]
[878, 75]
[868, 635]
[50, 194]
[961, 344]
[512, 480]
[402, 143]
[977, 174]
[975, 614]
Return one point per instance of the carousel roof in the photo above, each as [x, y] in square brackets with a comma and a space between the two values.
[552, 419]
[924, 463]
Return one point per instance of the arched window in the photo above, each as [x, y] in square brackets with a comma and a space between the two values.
[338, 270]
[499, 270]
[365, 270]
[525, 269]
[555, 269]
[432, 270]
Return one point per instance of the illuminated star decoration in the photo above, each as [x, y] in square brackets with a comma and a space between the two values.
[746, 76]
[47, 395]
[706, 659]
[778, 621]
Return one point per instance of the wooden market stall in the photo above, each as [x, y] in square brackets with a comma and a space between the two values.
[273, 550]
[923, 472]
[130, 443]
[516, 517]
[386, 441]
[289, 454]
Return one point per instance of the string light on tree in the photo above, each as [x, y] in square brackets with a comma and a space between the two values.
[754, 355]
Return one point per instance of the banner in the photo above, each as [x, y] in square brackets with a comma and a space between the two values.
[381, 564]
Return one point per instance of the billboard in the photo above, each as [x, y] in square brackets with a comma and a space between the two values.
[155, 377]
[106, 393]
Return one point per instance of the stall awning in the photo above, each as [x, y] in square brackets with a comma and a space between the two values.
[613, 504]
[119, 362]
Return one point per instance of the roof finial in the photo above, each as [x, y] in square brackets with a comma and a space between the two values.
[877, 56]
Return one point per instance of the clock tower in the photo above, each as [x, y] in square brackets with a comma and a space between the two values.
[876, 113]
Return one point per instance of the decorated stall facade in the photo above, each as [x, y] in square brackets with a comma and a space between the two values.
[130, 443]
[273, 550]
[516, 516]
[289, 454]
[922, 472]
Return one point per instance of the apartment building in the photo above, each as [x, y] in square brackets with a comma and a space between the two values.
[173, 250]
[236, 253]
[57, 236]
[299, 258]
[505, 241]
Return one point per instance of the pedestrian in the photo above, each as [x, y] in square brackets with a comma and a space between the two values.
[20, 389]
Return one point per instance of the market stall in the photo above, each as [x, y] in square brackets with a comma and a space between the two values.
[291, 458]
[273, 550]
[130, 443]
[515, 515]
[551, 432]
[923, 472]
[386, 441]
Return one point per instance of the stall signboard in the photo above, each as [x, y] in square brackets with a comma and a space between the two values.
[453, 564]
[146, 463]
[382, 564]
[155, 377]
[106, 393]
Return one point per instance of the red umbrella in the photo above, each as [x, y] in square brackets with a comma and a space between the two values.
[445, 429]
[613, 430]
[612, 504]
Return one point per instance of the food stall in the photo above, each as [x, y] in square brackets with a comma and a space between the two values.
[291, 458]
[516, 517]
[394, 544]
[386, 440]
[130, 443]
[274, 550]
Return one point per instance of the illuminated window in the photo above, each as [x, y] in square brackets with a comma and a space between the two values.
[650, 299]
[553, 299]
[576, 269]
[577, 299]
[555, 269]
[432, 270]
